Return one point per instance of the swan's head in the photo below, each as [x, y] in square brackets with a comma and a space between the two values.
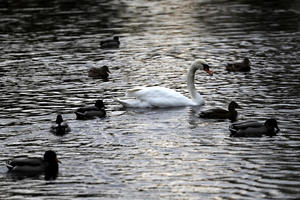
[202, 65]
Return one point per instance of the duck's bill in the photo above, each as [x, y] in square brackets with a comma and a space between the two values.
[58, 160]
[209, 72]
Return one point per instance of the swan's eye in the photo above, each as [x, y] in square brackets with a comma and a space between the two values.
[205, 66]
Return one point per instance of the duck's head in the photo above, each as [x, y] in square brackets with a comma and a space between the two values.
[271, 124]
[202, 65]
[233, 105]
[59, 119]
[106, 69]
[246, 61]
[51, 169]
[50, 156]
[99, 104]
[116, 38]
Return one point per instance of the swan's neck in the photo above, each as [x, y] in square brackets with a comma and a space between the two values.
[196, 97]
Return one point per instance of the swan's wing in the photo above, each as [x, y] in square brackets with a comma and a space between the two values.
[159, 97]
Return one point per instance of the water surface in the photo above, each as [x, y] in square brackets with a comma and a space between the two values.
[48, 47]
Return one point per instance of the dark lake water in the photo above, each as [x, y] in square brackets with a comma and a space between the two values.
[47, 48]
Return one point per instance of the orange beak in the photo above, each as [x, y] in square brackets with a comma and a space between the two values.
[209, 72]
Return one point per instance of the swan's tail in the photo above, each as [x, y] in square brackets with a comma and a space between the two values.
[125, 103]
[133, 103]
[133, 92]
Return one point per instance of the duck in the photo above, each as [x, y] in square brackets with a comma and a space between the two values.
[219, 113]
[60, 128]
[102, 72]
[254, 128]
[161, 97]
[91, 112]
[112, 43]
[47, 165]
[243, 66]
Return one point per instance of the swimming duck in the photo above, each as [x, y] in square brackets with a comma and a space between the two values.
[61, 128]
[219, 113]
[254, 129]
[107, 44]
[239, 67]
[91, 112]
[102, 72]
[35, 166]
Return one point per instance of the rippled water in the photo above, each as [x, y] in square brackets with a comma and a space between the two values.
[47, 48]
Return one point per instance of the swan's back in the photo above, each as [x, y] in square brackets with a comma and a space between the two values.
[156, 97]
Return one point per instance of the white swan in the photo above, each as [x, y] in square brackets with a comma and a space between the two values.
[143, 97]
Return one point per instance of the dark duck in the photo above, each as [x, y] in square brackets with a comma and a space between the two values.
[101, 72]
[219, 113]
[91, 112]
[60, 128]
[47, 165]
[254, 129]
[111, 43]
[243, 66]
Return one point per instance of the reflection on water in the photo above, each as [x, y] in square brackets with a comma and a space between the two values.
[48, 47]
